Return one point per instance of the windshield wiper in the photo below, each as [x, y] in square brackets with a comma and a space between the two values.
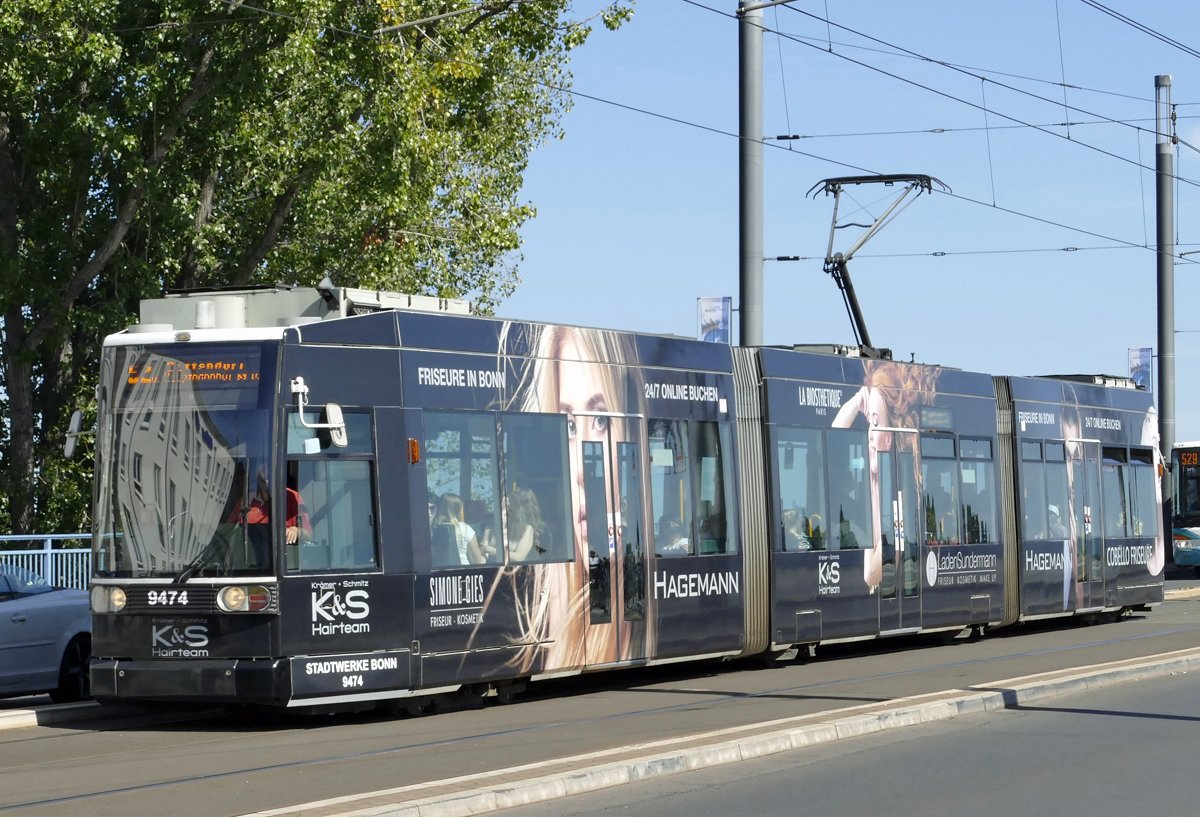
[194, 564]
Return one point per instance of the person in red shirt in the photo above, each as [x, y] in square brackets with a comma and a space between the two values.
[298, 525]
[258, 517]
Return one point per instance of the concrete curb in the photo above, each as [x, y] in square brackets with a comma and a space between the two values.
[50, 714]
[62, 714]
[1182, 593]
[480, 799]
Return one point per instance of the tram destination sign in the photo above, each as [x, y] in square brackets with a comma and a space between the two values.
[182, 376]
[215, 370]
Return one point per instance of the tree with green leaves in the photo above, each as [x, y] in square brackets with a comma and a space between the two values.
[171, 144]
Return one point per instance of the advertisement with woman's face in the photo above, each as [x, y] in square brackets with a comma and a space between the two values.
[890, 398]
[596, 398]
[542, 448]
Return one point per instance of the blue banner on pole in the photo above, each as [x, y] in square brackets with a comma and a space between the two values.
[1139, 366]
[714, 317]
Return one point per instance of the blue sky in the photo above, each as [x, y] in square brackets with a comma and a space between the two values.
[637, 216]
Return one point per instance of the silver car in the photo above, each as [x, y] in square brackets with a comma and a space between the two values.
[45, 637]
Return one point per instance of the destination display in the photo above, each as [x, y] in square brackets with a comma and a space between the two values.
[217, 370]
[186, 376]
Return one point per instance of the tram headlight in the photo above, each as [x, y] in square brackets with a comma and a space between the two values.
[107, 599]
[233, 599]
[242, 599]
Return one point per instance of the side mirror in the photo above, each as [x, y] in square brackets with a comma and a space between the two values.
[336, 424]
[72, 434]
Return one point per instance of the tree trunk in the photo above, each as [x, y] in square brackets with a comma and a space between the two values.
[189, 271]
[18, 383]
[266, 242]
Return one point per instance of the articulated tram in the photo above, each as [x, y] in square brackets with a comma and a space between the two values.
[339, 498]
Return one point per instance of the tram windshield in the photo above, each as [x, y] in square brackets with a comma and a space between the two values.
[1187, 491]
[183, 444]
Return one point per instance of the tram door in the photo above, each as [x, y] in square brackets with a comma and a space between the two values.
[900, 589]
[612, 497]
[1089, 541]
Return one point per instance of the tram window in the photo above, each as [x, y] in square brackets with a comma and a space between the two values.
[1143, 503]
[713, 488]
[1116, 455]
[1057, 500]
[670, 496]
[1031, 450]
[1116, 515]
[979, 502]
[537, 494]
[975, 449]
[1056, 452]
[301, 440]
[1033, 498]
[331, 507]
[801, 483]
[849, 490]
[937, 446]
[940, 494]
[463, 485]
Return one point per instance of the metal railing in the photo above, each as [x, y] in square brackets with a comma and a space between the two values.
[59, 566]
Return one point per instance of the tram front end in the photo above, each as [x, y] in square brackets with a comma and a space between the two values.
[185, 592]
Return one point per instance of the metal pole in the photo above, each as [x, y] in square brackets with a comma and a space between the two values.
[1164, 165]
[750, 173]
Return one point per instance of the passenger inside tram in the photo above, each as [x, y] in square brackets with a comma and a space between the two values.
[1057, 529]
[798, 535]
[490, 546]
[671, 541]
[528, 538]
[454, 539]
[297, 527]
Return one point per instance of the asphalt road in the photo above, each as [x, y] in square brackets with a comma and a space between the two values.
[1123, 750]
[234, 765]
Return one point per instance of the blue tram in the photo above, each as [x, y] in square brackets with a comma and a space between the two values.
[340, 498]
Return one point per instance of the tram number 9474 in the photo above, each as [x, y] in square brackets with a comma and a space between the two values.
[351, 681]
[168, 598]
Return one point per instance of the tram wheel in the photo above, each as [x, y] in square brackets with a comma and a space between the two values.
[945, 637]
[417, 708]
